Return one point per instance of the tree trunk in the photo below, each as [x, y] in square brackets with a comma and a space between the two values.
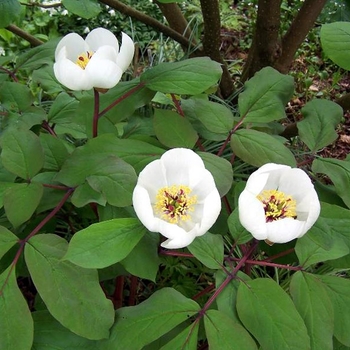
[266, 46]
[297, 32]
[212, 42]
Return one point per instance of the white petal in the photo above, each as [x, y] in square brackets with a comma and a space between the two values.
[285, 230]
[143, 208]
[71, 75]
[211, 211]
[179, 164]
[252, 215]
[100, 37]
[178, 243]
[256, 183]
[152, 178]
[204, 186]
[314, 212]
[103, 73]
[74, 44]
[126, 53]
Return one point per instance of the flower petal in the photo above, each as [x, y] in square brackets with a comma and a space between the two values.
[211, 211]
[74, 44]
[71, 75]
[285, 230]
[101, 37]
[252, 215]
[126, 53]
[102, 70]
[178, 243]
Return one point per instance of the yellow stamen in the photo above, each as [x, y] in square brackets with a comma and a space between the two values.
[174, 203]
[83, 59]
[277, 205]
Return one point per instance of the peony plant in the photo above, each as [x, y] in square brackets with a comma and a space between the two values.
[95, 62]
[177, 197]
[278, 204]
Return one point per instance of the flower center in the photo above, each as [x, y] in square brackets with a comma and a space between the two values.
[83, 59]
[175, 203]
[277, 205]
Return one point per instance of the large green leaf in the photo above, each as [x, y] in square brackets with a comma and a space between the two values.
[339, 173]
[143, 261]
[221, 169]
[257, 148]
[63, 109]
[20, 202]
[9, 11]
[224, 333]
[214, 116]
[265, 96]
[105, 243]
[15, 96]
[16, 323]
[317, 129]
[72, 294]
[49, 334]
[185, 340]
[191, 76]
[335, 41]
[328, 239]
[269, 314]
[173, 130]
[209, 250]
[338, 291]
[85, 9]
[45, 78]
[22, 153]
[312, 302]
[151, 319]
[7, 241]
[237, 231]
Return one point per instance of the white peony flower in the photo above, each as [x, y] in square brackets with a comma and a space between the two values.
[176, 196]
[278, 204]
[95, 62]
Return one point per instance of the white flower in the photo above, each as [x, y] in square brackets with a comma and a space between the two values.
[278, 204]
[94, 62]
[177, 197]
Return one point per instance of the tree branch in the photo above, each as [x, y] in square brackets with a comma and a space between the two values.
[211, 42]
[300, 27]
[24, 35]
[129, 11]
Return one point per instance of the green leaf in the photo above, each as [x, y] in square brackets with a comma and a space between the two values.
[339, 172]
[55, 152]
[16, 323]
[328, 239]
[173, 130]
[72, 294]
[143, 261]
[270, 315]
[85, 9]
[20, 202]
[214, 116]
[7, 241]
[185, 340]
[313, 304]
[105, 243]
[335, 40]
[209, 250]
[237, 231]
[9, 11]
[317, 129]
[63, 109]
[50, 334]
[265, 96]
[257, 148]
[45, 77]
[338, 291]
[38, 56]
[221, 169]
[15, 96]
[3, 187]
[22, 153]
[224, 333]
[156, 316]
[84, 194]
[192, 76]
